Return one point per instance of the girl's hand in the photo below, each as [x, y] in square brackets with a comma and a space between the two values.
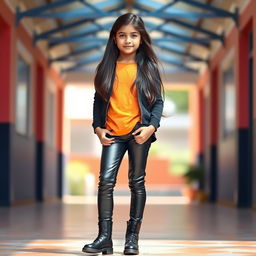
[145, 133]
[102, 136]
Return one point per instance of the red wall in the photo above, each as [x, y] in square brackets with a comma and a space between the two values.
[9, 36]
[228, 150]
[238, 40]
[5, 71]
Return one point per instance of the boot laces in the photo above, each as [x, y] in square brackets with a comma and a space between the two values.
[132, 238]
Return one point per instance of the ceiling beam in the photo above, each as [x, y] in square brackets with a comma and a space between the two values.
[165, 6]
[79, 37]
[199, 24]
[36, 11]
[78, 13]
[72, 14]
[154, 7]
[197, 28]
[85, 61]
[58, 41]
[93, 7]
[82, 50]
[187, 25]
[218, 11]
[182, 53]
[71, 25]
[205, 42]
[84, 12]
[178, 13]
[177, 61]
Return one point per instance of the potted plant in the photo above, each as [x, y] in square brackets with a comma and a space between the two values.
[193, 177]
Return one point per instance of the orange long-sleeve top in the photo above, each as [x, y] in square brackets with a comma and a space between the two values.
[123, 111]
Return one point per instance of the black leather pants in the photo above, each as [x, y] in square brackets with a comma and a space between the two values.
[110, 161]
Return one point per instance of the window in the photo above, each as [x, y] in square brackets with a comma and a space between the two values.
[50, 114]
[22, 97]
[228, 109]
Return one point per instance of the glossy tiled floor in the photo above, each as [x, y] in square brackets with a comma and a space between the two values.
[170, 227]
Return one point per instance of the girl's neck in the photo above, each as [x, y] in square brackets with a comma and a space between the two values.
[126, 58]
[126, 61]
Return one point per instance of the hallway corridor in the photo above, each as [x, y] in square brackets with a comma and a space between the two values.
[51, 59]
[170, 227]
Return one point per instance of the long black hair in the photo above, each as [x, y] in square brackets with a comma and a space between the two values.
[148, 77]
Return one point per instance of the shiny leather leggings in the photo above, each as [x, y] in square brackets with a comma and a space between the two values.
[110, 162]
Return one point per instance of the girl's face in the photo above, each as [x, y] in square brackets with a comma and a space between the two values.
[128, 40]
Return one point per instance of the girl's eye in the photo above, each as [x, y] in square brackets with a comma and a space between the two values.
[133, 36]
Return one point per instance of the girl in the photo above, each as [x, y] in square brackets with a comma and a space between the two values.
[127, 110]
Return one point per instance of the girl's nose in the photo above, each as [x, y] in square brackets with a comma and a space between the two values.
[128, 40]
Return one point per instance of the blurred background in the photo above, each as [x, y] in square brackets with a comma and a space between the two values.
[201, 170]
[168, 160]
[49, 53]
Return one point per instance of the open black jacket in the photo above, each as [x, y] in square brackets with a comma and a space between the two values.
[149, 115]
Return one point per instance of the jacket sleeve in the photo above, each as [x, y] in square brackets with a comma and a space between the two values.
[96, 111]
[156, 112]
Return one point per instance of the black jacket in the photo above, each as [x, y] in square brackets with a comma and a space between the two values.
[149, 115]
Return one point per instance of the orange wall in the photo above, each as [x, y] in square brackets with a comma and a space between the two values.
[196, 111]
[157, 172]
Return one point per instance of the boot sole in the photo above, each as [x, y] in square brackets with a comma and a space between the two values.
[131, 252]
[103, 250]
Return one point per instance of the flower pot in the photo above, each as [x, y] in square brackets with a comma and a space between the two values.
[190, 193]
[201, 196]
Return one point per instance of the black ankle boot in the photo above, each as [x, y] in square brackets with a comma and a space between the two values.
[103, 243]
[132, 237]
